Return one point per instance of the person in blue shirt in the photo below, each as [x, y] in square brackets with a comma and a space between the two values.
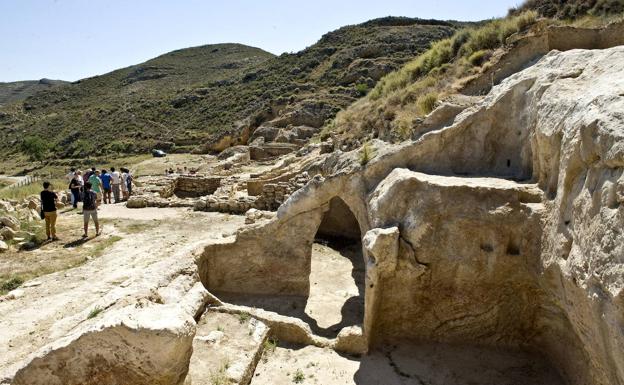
[106, 186]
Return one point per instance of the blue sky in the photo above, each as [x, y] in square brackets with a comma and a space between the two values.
[73, 39]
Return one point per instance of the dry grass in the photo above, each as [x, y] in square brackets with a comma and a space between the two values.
[22, 192]
[403, 96]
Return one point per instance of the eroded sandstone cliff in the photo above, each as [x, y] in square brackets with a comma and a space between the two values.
[502, 229]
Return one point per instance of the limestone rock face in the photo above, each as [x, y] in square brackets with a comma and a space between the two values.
[140, 347]
[503, 228]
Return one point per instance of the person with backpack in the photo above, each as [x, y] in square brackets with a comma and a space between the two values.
[89, 210]
[48, 208]
[106, 186]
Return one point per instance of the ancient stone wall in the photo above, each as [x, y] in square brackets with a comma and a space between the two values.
[196, 186]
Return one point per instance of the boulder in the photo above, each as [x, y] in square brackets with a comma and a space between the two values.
[11, 222]
[33, 204]
[6, 206]
[3, 246]
[7, 233]
[136, 202]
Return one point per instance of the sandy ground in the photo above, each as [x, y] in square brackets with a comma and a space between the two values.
[336, 292]
[53, 304]
[403, 365]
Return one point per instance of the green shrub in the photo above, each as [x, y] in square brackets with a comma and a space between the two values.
[35, 147]
[361, 88]
[426, 103]
[486, 37]
[366, 154]
[458, 40]
[298, 377]
[479, 57]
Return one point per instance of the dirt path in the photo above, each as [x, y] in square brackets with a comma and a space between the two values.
[143, 259]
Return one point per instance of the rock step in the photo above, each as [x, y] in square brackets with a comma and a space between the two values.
[226, 349]
[294, 330]
[283, 328]
[526, 192]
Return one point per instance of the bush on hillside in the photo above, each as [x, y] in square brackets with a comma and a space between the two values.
[426, 103]
[462, 44]
[479, 57]
[35, 147]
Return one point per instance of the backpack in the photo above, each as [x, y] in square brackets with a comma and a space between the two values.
[88, 201]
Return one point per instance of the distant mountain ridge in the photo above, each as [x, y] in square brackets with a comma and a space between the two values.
[12, 92]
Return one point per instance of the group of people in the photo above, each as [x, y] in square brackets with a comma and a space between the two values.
[103, 184]
[90, 188]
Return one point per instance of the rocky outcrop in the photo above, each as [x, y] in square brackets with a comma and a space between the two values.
[502, 229]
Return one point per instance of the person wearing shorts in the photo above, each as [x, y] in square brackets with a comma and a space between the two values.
[89, 210]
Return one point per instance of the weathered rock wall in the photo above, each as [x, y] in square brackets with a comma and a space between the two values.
[536, 265]
[256, 263]
[196, 186]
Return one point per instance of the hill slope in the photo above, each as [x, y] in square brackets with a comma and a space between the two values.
[194, 98]
[16, 91]
[130, 108]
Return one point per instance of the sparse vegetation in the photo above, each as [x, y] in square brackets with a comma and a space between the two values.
[98, 250]
[22, 192]
[402, 97]
[477, 58]
[426, 103]
[11, 284]
[298, 377]
[94, 312]
[243, 318]
[367, 152]
[220, 376]
[571, 9]
[268, 347]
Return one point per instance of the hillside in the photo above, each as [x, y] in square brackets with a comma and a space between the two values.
[17, 91]
[207, 98]
[432, 89]
[571, 9]
[128, 109]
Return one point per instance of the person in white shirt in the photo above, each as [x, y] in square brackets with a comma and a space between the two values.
[124, 183]
[115, 182]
